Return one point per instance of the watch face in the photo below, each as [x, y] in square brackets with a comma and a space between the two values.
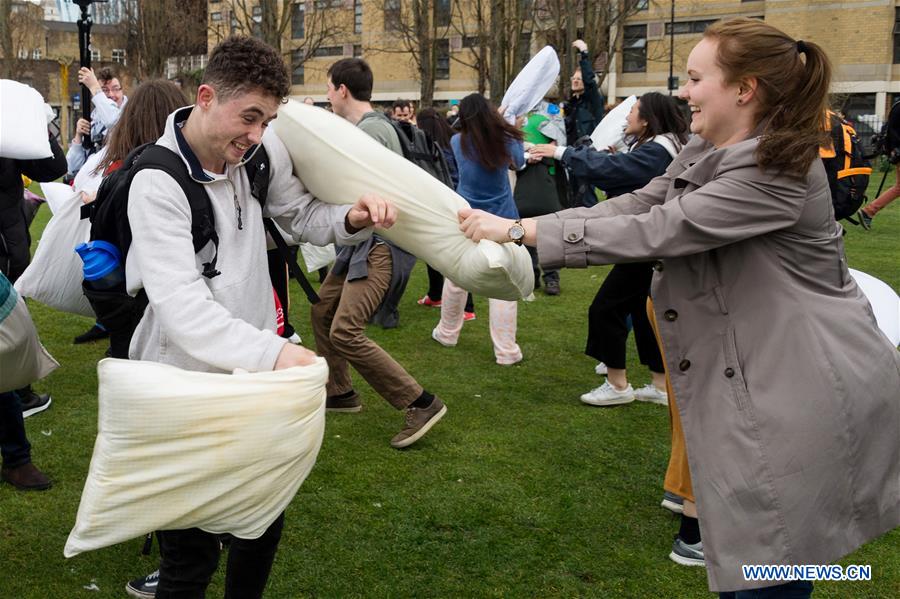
[516, 232]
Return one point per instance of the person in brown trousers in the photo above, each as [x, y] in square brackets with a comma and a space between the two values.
[785, 387]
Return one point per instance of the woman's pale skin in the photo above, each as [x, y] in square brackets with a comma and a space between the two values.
[722, 113]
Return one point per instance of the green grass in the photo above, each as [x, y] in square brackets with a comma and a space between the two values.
[520, 492]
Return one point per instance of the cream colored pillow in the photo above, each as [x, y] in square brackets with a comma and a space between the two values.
[338, 163]
[23, 122]
[178, 449]
[23, 360]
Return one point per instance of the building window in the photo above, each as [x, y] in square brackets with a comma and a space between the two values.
[215, 17]
[22, 54]
[442, 59]
[298, 21]
[36, 54]
[357, 16]
[329, 51]
[634, 49]
[689, 26]
[297, 67]
[897, 36]
[442, 12]
[323, 4]
[95, 55]
[391, 15]
[638, 4]
[471, 41]
[257, 14]
[357, 50]
[118, 55]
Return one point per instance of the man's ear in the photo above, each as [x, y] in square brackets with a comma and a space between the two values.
[205, 96]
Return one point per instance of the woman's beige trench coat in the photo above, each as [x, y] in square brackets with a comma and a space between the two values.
[788, 392]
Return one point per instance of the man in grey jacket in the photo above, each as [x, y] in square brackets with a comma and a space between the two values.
[227, 321]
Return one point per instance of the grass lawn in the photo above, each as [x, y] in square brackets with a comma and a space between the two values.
[521, 491]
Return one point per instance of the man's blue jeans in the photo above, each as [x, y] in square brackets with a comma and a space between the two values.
[14, 446]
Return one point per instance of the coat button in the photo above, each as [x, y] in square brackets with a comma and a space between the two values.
[658, 266]
[572, 237]
[729, 372]
[684, 365]
[670, 315]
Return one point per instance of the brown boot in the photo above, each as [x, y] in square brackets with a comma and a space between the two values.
[26, 478]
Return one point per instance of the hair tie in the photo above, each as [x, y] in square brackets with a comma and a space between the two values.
[801, 47]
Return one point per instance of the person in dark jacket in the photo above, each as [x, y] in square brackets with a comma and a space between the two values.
[584, 111]
[656, 130]
[15, 240]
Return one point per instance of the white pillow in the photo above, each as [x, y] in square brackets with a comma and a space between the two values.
[338, 163]
[23, 122]
[316, 257]
[884, 301]
[55, 274]
[531, 84]
[178, 449]
[611, 130]
[23, 359]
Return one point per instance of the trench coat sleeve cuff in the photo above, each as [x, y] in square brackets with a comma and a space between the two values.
[561, 243]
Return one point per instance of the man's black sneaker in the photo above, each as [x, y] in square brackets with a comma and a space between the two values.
[95, 333]
[864, 219]
[34, 403]
[145, 587]
[338, 403]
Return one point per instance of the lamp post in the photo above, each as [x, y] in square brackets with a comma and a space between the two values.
[84, 49]
[673, 82]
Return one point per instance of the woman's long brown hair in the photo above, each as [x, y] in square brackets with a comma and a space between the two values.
[484, 133]
[792, 88]
[142, 120]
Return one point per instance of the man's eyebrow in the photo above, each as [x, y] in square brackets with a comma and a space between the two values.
[254, 110]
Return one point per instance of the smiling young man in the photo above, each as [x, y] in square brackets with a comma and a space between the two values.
[108, 99]
[225, 320]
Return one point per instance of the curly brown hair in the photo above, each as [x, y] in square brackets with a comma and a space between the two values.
[105, 74]
[242, 64]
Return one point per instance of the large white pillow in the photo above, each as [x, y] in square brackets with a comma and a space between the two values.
[55, 274]
[177, 449]
[884, 301]
[611, 130]
[338, 163]
[531, 84]
[23, 122]
[23, 360]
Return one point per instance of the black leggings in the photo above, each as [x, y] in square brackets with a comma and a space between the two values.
[436, 289]
[623, 293]
[190, 558]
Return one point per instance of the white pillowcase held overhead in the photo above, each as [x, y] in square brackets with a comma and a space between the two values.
[338, 163]
[611, 130]
[531, 84]
[178, 449]
[23, 122]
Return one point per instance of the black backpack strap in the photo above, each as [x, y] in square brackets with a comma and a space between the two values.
[203, 224]
[258, 174]
[292, 265]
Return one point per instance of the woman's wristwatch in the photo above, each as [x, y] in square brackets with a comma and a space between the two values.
[516, 232]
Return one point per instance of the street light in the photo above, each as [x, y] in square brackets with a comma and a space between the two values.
[84, 48]
[673, 81]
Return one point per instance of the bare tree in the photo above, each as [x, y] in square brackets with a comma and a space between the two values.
[422, 28]
[156, 30]
[297, 29]
[20, 26]
[561, 22]
[471, 22]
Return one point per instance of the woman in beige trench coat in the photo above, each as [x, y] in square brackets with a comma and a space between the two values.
[788, 392]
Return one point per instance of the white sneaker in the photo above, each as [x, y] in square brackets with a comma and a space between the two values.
[600, 368]
[295, 339]
[652, 394]
[607, 395]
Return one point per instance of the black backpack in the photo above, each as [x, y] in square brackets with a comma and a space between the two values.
[847, 169]
[887, 141]
[118, 312]
[420, 149]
